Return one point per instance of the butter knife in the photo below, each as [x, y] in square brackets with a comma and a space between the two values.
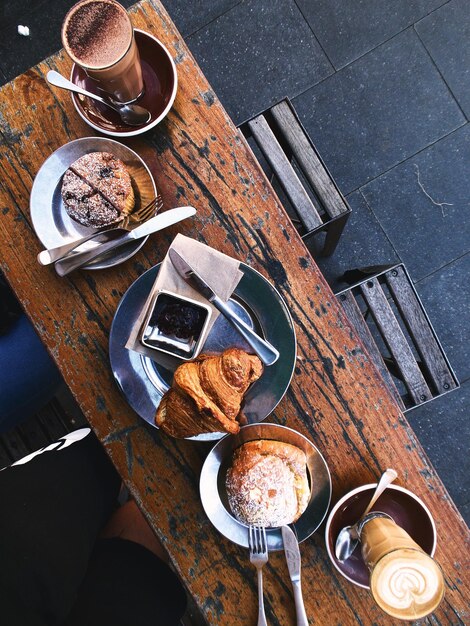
[266, 352]
[162, 220]
[292, 552]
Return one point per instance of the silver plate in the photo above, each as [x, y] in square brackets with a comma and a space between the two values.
[214, 495]
[144, 381]
[50, 220]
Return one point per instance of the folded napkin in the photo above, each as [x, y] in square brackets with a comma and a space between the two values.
[220, 271]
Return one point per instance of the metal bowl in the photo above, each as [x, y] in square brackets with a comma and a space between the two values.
[214, 495]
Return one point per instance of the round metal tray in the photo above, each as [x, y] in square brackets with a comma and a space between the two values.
[214, 495]
[50, 220]
[143, 381]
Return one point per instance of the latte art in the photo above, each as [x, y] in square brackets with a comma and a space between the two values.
[407, 584]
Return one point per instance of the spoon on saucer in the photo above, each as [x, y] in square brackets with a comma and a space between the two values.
[131, 114]
[348, 537]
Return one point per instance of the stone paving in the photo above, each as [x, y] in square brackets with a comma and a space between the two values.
[383, 89]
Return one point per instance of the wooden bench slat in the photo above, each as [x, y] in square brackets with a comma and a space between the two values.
[33, 435]
[419, 328]
[5, 457]
[289, 180]
[308, 159]
[51, 421]
[15, 445]
[395, 340]
[49, 424]
[354, 315]
[68, 410]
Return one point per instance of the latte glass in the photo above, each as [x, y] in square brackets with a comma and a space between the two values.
[405, 581]
[98, 36]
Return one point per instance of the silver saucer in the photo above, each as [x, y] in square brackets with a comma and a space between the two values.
[50, 220]
[143, 381]
[214, 495]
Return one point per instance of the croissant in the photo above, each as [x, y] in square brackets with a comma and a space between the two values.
[207, 394]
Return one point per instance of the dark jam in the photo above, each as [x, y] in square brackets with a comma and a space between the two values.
[180, 319]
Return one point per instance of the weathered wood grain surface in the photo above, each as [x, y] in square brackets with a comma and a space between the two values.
[309, 160]
[282, 167]
[354, 314]
[421, 332]
[336, 398]
[396, 341]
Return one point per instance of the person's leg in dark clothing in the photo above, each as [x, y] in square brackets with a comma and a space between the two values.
[127, 585]
[53, 508]
[55, 570]
[128, 582]
[29, 377]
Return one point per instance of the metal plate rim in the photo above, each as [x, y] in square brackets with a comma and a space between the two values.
[52, 167]
[126, 376]
[149, 125]
[226, 523]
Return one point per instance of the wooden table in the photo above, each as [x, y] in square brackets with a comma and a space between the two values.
[336, 398]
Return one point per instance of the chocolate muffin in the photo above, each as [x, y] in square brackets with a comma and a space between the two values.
[97, 190]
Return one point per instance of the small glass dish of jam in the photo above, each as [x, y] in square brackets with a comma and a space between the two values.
[175, 325]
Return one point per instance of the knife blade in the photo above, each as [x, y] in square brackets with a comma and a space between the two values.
[292, 552]
[266, 352]
[162, 220]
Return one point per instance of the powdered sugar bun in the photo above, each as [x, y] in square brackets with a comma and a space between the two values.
[267, 483]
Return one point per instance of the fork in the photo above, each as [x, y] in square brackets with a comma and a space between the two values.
[258, 557]
[46, 257]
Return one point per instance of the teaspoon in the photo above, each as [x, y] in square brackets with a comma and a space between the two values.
[131, 114]
[348, 538]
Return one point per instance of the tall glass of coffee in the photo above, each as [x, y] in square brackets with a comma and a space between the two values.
[405, 581]
[98, 36]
